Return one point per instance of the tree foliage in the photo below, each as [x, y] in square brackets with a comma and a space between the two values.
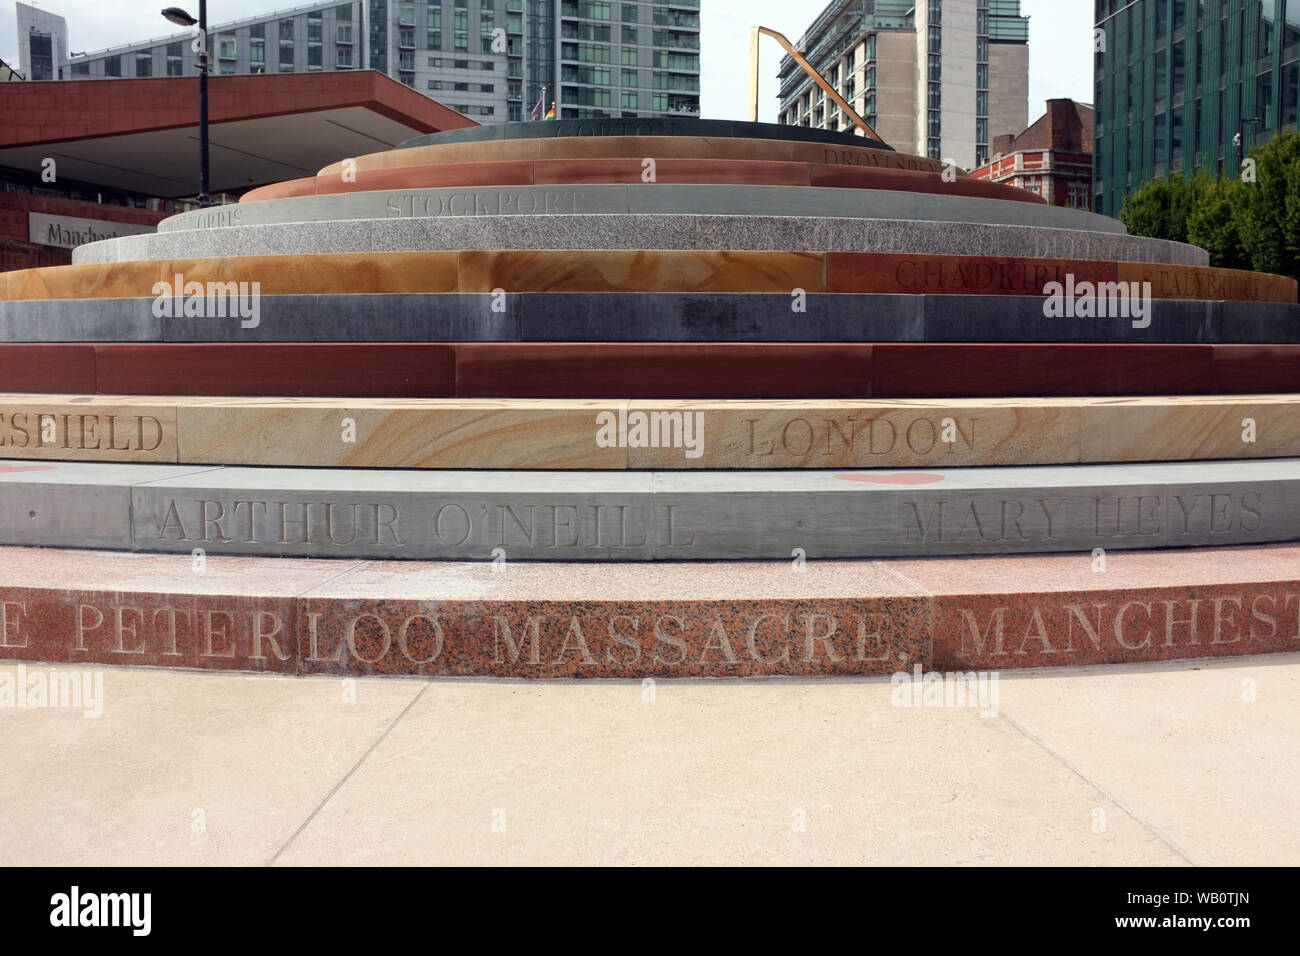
[1214, 226]
[1246, 222]
[1160, 209]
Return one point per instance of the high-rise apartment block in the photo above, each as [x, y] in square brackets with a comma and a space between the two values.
[492, 60]
[940, 78]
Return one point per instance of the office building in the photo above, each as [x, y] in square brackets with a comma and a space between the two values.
[1177, 81]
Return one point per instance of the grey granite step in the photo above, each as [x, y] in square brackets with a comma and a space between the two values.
[623, 231]
[645, 317]
[640, 516]
[657, 199]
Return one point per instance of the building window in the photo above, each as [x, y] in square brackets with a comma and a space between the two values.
[144, 64]
[175, 59]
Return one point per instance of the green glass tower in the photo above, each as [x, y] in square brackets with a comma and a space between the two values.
[1187, 85]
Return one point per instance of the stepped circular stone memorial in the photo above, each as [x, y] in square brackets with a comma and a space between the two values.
[544, 348]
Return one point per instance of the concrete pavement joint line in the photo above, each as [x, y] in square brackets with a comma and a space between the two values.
[1002, 714]
[893, 572]
[304, 596]
[1153, 830]
[348, 776]
[1138, 667]
[188, 474]
[929, 604]
[130, 500]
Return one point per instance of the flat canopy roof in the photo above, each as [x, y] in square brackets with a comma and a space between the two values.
[142, 135]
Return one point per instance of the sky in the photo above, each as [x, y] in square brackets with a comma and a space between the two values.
[1060, 41]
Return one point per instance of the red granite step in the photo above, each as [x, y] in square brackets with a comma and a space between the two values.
[666, 620]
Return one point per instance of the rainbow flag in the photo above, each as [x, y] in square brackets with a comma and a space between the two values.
[550, 114]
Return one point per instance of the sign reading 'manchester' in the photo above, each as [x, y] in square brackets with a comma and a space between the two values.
[68, 232]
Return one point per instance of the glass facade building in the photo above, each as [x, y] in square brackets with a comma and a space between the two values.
[488, 59]
[1178, 80]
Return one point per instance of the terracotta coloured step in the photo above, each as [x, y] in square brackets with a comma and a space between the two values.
[599, 128]
[632, 622]
[651, 371]
[417, 370]
[623, 270]
[632, 169]
[37, 368]
[566, 434]
[622, 147]
[558, 370]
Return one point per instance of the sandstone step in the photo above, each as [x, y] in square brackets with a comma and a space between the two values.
[648, 515]
[731, 620]
[637, 270]
[551, 434]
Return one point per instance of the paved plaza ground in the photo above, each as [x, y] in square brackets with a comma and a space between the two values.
[1186, 763]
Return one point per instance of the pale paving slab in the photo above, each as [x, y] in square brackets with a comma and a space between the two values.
[411, 772]
[254, 754]
[1182, 747]
[709, 773]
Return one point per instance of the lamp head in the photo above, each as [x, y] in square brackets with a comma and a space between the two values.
[179, 17]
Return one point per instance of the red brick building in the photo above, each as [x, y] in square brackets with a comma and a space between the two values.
[80, 161]
[1052, 158]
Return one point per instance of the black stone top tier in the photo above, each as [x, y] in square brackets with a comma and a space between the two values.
[648, 126]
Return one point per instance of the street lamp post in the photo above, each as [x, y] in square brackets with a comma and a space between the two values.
[180, 17]
[1240, 140]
